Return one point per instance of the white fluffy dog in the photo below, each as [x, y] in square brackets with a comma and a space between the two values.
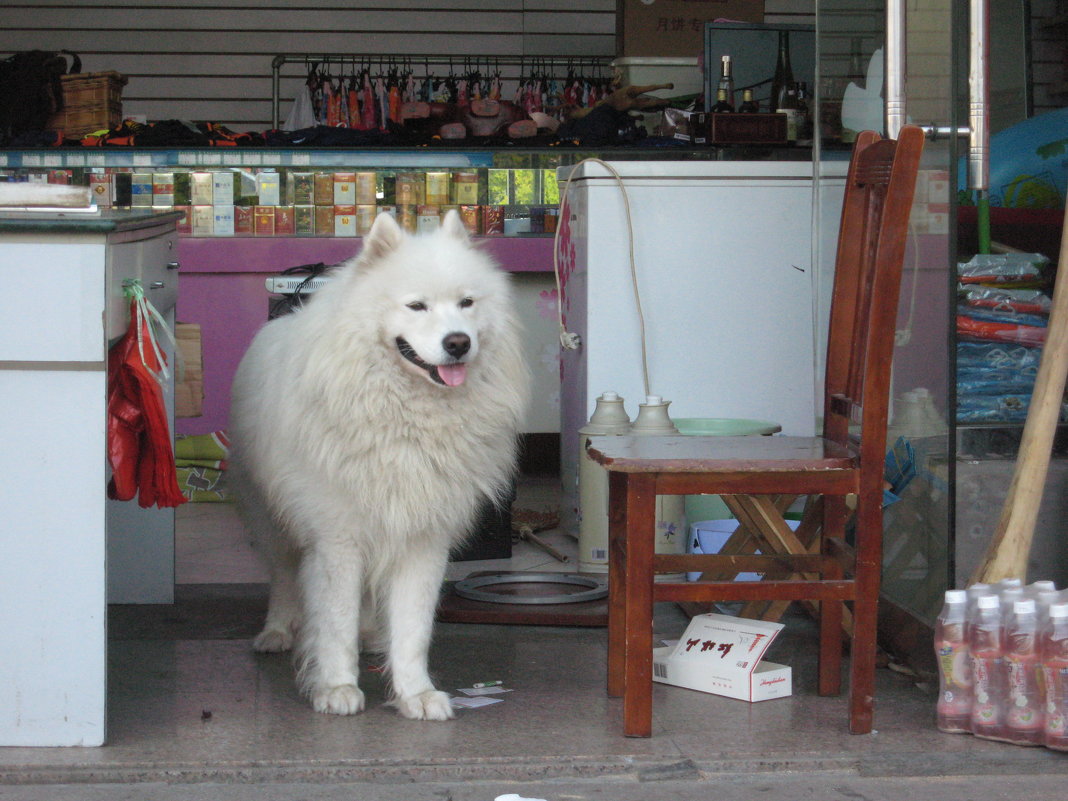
[368, 428]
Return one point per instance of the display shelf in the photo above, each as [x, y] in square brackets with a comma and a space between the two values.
[245, 157]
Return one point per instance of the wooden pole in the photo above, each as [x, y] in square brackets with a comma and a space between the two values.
[1006, 556]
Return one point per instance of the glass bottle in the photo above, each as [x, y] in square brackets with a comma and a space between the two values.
[804, 125]
[726, 79]
[749, 105]
[784, 74]
[789, 106]
[722, 105]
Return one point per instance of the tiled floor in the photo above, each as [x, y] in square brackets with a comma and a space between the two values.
[196, 705]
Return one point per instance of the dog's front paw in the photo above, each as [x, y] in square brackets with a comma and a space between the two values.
[346, 699]
[272, 641]
[430, 705]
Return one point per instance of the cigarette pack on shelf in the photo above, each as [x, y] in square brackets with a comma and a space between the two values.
[92, 101]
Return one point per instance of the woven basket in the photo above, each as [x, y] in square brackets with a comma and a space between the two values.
[92, 101]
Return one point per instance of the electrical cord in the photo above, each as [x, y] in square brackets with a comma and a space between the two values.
[570, 340]
[294, 300]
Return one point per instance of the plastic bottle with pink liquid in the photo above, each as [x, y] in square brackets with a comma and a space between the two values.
[954, 665]
[1053, 650]
[1025, 696]
[984, 642]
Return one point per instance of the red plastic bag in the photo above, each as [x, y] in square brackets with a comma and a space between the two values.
[139, 437]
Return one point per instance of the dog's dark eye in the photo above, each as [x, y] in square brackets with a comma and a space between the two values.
[417, 305]
[467, 302]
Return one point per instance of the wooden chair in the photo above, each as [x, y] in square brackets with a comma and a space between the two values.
[755, 473]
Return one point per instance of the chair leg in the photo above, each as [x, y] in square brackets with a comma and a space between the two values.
[829, 669]
[865, 617]
[617, 586]
[639, 512]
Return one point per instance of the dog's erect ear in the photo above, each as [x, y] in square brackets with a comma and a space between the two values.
[384, 237]
[453, 226]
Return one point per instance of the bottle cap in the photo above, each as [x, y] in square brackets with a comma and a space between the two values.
[988, 602]
[1024, 607]
[1010, 582]
[1058, 610]
[956, 596]
[1042, 585]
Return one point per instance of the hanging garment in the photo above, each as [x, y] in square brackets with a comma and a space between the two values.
[354, 104]
[367, 104]
[139, 436]
[301, 115]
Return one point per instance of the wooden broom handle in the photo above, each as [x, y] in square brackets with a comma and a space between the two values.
[1007, 554]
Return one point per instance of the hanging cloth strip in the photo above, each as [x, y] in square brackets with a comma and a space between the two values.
[139, 437]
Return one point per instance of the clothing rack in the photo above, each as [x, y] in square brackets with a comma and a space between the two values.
[424, 66]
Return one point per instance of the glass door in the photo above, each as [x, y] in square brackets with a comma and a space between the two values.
[852, 37]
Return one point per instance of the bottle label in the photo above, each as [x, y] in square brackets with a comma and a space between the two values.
[1024, 708]
[955, 665]
[1056, 676]
[985, 711]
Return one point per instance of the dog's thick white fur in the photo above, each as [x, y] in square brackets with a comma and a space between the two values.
[368, 428]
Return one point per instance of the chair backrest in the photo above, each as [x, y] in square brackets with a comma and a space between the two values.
[871, 251]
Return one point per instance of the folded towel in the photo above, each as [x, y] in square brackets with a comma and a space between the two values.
[212, 447]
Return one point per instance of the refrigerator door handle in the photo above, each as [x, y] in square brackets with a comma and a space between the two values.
[977, 130]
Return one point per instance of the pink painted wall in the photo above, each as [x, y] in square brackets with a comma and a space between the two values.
[222, 288]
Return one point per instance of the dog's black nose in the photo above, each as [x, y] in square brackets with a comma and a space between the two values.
[456, 344]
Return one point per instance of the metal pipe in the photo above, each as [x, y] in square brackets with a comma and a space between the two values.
[895, 67]
[979, 97]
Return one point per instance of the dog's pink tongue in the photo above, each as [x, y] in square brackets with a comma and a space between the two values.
[452, 374]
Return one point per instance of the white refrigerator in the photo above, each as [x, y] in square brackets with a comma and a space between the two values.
[734, 291]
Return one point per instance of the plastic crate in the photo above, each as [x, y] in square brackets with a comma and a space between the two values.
[92, 101]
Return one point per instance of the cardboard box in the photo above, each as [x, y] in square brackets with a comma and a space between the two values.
[675, 27]
[189, 386]
[721, 654]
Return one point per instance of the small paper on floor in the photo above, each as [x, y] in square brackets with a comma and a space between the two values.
[473, 703]
[473, 691]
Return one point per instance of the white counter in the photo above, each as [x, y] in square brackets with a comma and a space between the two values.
[62, 280]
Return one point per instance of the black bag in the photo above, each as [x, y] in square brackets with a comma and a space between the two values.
[31, 90]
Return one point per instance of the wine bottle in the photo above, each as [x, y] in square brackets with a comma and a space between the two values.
[749, 105]
[722, 105]
[726, 79]
[789, 106]
[805, 127]
[784, 74]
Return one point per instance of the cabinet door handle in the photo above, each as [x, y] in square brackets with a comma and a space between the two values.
[173, 265]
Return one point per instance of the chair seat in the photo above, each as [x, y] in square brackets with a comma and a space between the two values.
[713, 454]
